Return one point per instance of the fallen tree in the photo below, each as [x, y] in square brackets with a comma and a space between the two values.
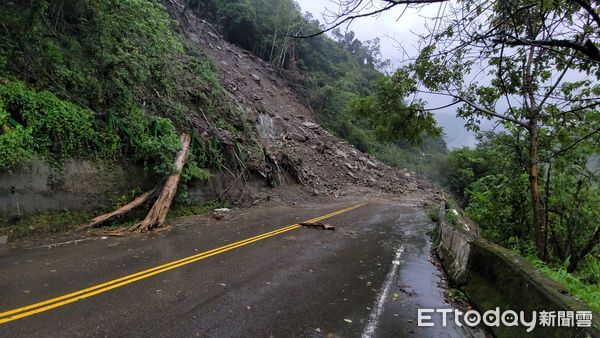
[118, 213]
[158, 213]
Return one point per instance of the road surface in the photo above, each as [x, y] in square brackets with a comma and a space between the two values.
[255, 274]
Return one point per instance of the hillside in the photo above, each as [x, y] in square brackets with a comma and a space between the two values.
[88, 128]
[293, 142]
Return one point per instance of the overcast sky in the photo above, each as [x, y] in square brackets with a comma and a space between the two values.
[394, 30]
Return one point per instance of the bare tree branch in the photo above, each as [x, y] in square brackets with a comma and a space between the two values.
[553, 88]
[588, 8]
[588, 48]
[489, 112]
[390, 4]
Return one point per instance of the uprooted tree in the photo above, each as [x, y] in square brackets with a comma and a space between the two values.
[164, 194]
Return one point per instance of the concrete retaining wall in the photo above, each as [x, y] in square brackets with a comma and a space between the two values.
[80, 185]
[83, 185]
[493, 276]
[224, 185]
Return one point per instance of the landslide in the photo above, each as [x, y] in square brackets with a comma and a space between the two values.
[286, 128]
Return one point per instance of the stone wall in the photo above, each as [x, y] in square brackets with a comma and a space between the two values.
[80, 185]
[224, 185]
[83, 185]
[493, 276]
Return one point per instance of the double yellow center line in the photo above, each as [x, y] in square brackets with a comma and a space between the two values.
[115, 283]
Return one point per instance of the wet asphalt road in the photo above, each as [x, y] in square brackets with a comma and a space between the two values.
[366, 278]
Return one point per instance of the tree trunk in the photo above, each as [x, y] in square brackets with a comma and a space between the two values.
[547, 208]
[157, 215]
[591, 244]
[273, 46]
[111, 216]
[534, 186]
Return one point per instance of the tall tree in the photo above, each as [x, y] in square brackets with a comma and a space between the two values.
[532, 66]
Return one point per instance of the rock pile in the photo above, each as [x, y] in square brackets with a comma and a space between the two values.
[287, 127]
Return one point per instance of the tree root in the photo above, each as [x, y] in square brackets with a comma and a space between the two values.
[116, 214]
[158, 213]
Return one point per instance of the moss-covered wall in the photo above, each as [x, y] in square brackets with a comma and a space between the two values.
[492, 276]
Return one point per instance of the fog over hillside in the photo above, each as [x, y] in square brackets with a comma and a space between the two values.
[398, 42]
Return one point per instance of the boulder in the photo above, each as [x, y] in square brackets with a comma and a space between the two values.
[340, 153]
[310, 125]
[371, 164]
[299, 137]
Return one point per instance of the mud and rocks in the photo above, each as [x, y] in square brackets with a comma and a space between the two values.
[287, 128]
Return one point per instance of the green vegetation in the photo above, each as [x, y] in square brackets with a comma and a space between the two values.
[340, 76]
[585, 284]
[42, 124]
[452, 218]
[194, 209]
[458, 296]
[434, 214]
[98, 80]
[43, 224]
[389, 116]
[495, 193]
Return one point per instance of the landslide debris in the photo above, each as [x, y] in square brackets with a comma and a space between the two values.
[293, 142]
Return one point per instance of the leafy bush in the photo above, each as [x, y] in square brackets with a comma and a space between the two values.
[15, 141]
[491, 205]
[434, 214]
[40, 123]
[154, 140]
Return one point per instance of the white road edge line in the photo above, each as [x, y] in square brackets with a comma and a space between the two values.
[378, 309]
[76, 241]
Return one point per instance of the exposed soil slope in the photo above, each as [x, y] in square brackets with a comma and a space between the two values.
[287, 129]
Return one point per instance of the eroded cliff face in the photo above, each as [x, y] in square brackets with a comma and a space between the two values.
[295, 148]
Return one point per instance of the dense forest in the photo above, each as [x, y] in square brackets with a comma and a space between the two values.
[104, 80]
